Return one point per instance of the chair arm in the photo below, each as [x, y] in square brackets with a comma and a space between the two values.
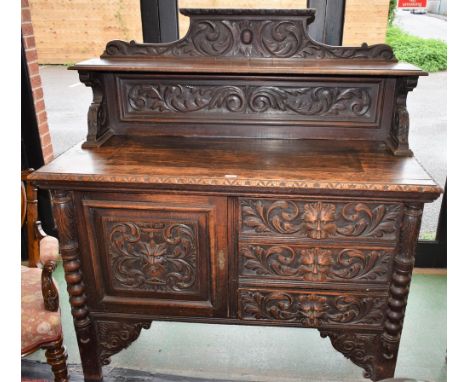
[38, 231]
[48, 249]
[49, 290]
[49, 254]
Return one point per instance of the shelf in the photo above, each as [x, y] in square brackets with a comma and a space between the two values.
[355, 166]
[253, 66]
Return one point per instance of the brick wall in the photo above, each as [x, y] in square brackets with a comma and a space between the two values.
[70, 31]
[365, 21]
[35, 78]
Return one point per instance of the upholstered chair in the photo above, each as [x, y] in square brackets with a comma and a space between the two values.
[40, 315]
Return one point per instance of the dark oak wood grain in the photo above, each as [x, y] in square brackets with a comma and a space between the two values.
[242, 163]
[244, 174]
[256, 66]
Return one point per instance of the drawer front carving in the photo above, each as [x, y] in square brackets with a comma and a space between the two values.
[319, 220]
[314, 264]
[161, 252]
[237, 100]
[312, 309]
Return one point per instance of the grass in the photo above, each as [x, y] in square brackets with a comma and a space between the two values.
[427, 236]
[391, 11]
[429, 54]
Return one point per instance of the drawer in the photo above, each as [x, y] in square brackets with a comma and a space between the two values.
[313, 263]
[319, 220]
[155, 254]
[316, 309]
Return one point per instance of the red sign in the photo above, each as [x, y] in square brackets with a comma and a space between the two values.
[412, 3]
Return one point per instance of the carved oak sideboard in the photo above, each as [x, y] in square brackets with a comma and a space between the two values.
[244, 174]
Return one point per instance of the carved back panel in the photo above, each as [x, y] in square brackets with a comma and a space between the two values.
[253, 74]
[312, 107]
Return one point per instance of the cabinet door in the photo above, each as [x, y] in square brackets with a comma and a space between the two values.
[161, 255]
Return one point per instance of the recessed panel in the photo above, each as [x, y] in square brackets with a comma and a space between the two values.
[161, 258]
[237, 100]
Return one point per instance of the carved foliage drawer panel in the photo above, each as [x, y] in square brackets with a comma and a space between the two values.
[308, 263]
[243, 100]
[320, 220]
[157, 252]
[312, 309]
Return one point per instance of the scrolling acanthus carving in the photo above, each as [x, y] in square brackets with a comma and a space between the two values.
[248, 33]
[315, 264]
[153, 256]
[320, 220]
[320, 100]
[358, 347]
[311, 310]
[114, 336]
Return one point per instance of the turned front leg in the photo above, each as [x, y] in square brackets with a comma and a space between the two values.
[85, 331]
[401, 278]
[376, 352]
[57, 358]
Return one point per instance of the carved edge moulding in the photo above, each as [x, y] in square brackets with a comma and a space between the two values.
[430, 190]
[248, 33]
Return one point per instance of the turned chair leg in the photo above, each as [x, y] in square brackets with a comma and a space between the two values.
[57, 359]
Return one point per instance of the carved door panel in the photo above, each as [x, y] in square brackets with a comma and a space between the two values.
[161, 255]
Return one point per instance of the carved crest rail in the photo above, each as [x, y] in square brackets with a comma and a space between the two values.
[251, 33]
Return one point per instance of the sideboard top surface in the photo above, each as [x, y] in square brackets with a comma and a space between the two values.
[242, 163]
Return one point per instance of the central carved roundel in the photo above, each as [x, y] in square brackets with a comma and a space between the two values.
[247, 36]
